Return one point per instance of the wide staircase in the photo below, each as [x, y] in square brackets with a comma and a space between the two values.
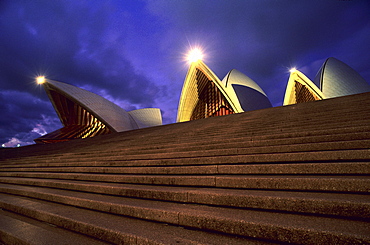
[294, 174]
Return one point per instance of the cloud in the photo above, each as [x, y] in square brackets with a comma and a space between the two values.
[73, 42]
[12, 143]
[22, 114]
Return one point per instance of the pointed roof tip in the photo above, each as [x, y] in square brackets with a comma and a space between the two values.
[333, 79]
[320, 73]
[226, 78]
[332, 59]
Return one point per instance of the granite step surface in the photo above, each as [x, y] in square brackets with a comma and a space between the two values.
[294, 174]
[246, 223]
[353, 206]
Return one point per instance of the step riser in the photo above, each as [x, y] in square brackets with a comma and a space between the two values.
[331, 168]
[187, 218]
[241, 135]
[322, 156]
[307, 183]
[70, 224]
[249, 148]
[256, 137]
[17, 229]
[350, 209]
[355, 141]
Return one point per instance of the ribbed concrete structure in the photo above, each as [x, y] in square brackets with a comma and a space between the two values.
[85, 114]
[301, 89]
[293, 174]
[204, 95]
[334, 79]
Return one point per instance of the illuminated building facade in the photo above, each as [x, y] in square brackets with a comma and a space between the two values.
[334, 79]
[301, 89]
[85, 114]
[205, 95]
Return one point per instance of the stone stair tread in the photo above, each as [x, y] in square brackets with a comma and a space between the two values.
[221, 144]
[236, 222]
[350, 205]
[277, 182]
[17, 229]
[333, 183]
[322, 156]
[120, 137]
[328, 168]
[114, 228]
[241, 150]
[245, 150]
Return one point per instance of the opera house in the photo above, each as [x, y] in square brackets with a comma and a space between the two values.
[85, 114]
[334, 79]
[284, 175]
[205, 95]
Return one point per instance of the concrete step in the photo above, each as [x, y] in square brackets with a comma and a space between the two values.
[313, 168]
[353, 206]
[17, 229]
[210, 139]
[168, 141]
[240, 222]
[139, 135]
[342, 140]
[172, 143]
[280, 157]
[333, 183]
[114, 229]
[238, 142]
[232, 131]
[246, 148]
[216, 147]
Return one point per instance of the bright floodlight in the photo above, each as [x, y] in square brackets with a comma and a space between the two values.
[195, 55]
[293, 70]
[40, 80]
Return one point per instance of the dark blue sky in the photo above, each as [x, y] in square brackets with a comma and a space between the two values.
[132, 52]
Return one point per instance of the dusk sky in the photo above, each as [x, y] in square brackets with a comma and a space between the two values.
[133, 52]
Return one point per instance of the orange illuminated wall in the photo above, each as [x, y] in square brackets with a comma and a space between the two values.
[78, 122]
[303, 94]
[211, 102]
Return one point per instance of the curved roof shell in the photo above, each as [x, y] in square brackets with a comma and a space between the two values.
[249, 94]
[336, 78]
[113, 116]
[147, 117]
[199, 76]
[206, 95]
[236, 77]
[85, 114]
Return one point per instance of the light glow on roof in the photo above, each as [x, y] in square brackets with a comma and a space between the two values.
[195, 55]
[40, 79]
[292, 70]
